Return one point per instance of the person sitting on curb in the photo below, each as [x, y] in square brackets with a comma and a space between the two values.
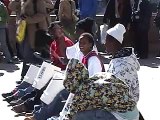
[110, 98]
[90, 57]
[56, 51]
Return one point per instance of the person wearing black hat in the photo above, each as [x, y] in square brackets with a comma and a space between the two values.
[85, 25]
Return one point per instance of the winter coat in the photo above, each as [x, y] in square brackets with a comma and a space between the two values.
[32, 18]
[66, 10]
[125, 68]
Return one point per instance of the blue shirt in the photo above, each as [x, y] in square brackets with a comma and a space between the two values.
[88, 8]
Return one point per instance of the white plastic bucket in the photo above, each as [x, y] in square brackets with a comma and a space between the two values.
[45, 73]
[31, 74]
[54, 87]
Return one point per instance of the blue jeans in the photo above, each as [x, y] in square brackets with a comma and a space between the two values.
[94, 115]
[21, 92]
[28, 57]
[53, 109]
[3, 41]
[23, 85]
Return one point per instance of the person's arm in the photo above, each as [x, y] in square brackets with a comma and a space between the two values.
[63, 46]
[61, 10]
[49, 4]
[53, 55]
[75, 74]
[129, 78]
[63, 59]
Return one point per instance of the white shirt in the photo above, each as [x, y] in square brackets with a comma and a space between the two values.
[74, 52]
[94, 65]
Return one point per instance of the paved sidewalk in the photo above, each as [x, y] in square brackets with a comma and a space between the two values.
[9, 73]
[149, 77]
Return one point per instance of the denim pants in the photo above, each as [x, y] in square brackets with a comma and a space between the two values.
[23, 85]
[94, 115]
[23, 89]
[21, 92]
[3, 41]
[53, 109]
[28, 57]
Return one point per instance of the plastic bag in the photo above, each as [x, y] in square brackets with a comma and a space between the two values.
[20, 33]
[103, 32]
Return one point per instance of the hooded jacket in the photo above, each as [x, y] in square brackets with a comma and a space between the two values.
[124, 66]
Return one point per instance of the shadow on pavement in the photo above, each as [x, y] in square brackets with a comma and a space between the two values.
[1, 74]
[151, 62]
[8, 67]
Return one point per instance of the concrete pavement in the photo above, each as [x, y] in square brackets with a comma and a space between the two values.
[149, 78]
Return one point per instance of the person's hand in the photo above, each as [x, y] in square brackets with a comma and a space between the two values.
[63, 60]
[23, 17]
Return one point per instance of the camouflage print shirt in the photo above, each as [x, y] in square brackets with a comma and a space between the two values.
[102, 91]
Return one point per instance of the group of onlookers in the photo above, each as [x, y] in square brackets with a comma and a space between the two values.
[67, 47]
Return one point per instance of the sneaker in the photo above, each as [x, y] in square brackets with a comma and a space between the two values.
[16, 102]
[5, 95]
[16, 59]
[18, 82]
[10, 98]
[20, 108]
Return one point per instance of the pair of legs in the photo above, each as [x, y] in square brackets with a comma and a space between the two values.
[53, 109]
[3, 41]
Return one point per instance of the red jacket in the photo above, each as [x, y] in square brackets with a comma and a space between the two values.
[55, 49]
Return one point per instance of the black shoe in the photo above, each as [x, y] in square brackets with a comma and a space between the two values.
[5, 95]
[16, 102]
[18, 82]
[10, 98]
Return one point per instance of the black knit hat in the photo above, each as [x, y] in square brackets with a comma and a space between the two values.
[85, 24]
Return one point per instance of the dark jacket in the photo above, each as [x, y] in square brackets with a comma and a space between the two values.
[110, 14]
[145, 13]
[3, 14]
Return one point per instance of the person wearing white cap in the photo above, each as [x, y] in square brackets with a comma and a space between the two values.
[124, 65]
